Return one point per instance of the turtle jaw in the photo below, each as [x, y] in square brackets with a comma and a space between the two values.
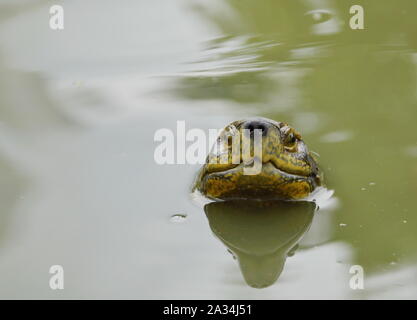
[270, 183]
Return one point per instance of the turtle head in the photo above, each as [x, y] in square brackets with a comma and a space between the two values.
[258, 158]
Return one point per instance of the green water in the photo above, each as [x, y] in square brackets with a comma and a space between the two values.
[79, 108]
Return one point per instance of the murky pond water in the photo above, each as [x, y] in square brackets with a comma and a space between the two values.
[80, 187]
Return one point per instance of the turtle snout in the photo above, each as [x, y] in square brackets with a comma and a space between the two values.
[252, 125]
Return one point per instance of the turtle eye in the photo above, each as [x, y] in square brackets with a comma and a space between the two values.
[290, 139]
[290, 142]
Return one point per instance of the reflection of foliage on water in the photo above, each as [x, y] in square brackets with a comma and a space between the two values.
[374, 94]
[254, 40]
[258, 35]
[362, 81]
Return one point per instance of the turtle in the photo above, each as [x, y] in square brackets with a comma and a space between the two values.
[287, 169]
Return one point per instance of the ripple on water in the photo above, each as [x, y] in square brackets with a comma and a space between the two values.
[178, 218]
[319, 15]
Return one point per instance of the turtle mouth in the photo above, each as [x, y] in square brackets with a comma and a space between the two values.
[283, 171]
[270, 183]
[220, 169]
[270, 164]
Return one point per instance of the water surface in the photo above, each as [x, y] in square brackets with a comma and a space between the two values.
[79, 109]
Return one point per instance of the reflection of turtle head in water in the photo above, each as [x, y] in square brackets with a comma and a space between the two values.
[260, 234]
[253, 220]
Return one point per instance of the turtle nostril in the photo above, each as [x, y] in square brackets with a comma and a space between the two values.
[255, 124]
